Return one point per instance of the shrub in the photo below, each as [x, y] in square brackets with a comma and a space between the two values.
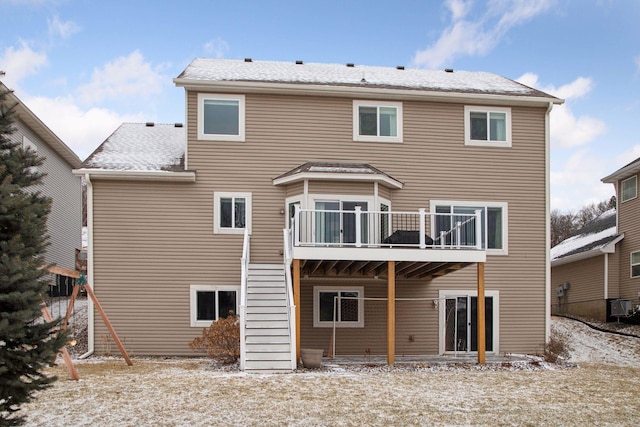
[221, 340]
[557, 349]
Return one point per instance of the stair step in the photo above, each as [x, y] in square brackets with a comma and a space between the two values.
[260, 366]
[265, 302]
[266, 266]
[284, 356]
[269, 347]
[265, 290]
[267, 332]
[271, 324]
[282, 309]
[260, 317]
[267, 339]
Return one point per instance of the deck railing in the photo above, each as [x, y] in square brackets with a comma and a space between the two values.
[387, 229]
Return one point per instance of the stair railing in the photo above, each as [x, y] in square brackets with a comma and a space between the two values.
[291, 308]
[243, 297]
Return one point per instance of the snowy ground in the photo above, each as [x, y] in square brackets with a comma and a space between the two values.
[604, 389]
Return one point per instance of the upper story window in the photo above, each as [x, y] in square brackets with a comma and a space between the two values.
[377, 121]
[629, 188]
[493, 218]
[231, 212]
[221, 117]
[487, 126]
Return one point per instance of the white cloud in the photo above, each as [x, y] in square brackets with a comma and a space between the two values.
[216, 47]
[20, 62]
[469, 37]
[61, 29]
[82, 130]
[567, 130]
[126, 76]
[576, 182]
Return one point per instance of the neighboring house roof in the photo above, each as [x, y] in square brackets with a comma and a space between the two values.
[624, 172]
[27, 116]
[597, 237]
[209, 70]
[336, 171]
[141, 147]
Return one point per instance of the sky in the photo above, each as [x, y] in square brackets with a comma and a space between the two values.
[84, 67]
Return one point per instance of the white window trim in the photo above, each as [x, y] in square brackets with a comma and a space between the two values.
[631, 264]
[241, 119]
[371, 138]
[635, 178]
[193, 302]
[316, 306]
[481, 109]
[443, 294]
[217, 229]
[369, 200]
[289, 200]
[505, 219]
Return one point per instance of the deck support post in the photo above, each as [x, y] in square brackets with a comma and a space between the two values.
[481, 315]
[391, 313]
[296, 302]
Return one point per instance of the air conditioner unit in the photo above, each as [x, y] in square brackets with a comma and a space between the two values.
[620, 307]
[560, 292]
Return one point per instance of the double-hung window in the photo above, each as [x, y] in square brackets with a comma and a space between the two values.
[487, 126]
[221, 117]
[210, 303]
[455, 223]
[377, 121]
[635, 264]
[231, 212]
[344, 305]
[629, 188]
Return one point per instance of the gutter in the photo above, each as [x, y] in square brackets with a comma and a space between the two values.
[90, 308]
[129, 175]
[363, 91]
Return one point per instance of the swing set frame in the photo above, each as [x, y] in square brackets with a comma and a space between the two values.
[76, 289]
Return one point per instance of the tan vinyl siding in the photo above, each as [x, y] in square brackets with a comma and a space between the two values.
[629, 224]
[153, 240]
[586, 278]
[614, 273]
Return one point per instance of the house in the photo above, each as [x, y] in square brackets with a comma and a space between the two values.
[596, 273]
[585, 268]
[64, 223]
[359, 210]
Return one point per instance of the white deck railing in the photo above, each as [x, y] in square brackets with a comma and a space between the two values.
[291, 311]
[243, 297]
[358, 228]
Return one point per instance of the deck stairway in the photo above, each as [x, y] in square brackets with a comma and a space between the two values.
[267, 330]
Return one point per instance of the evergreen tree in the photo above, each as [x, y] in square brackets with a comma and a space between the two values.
[27, 344]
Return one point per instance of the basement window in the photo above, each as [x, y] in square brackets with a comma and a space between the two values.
[210, 303]
[342, 304]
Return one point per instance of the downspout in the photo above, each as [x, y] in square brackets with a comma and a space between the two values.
[606, 276]
[90, 309]
[547, 222]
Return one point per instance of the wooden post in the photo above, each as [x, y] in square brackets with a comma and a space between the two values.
[108, 324]
[481, 316]
[72, 300]
[391, 313]
[65, 354]
[296, 302]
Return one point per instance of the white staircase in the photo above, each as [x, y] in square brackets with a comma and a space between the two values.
[267, 330]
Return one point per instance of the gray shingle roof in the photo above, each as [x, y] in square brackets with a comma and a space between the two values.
[140, 147]
[211, 70]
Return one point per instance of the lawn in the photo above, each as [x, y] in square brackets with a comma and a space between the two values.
[603, 390]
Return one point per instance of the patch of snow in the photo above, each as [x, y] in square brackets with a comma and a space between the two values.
[339, 169]
[210, 69]
[85, 237]
[579, 241]
[138, 147]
